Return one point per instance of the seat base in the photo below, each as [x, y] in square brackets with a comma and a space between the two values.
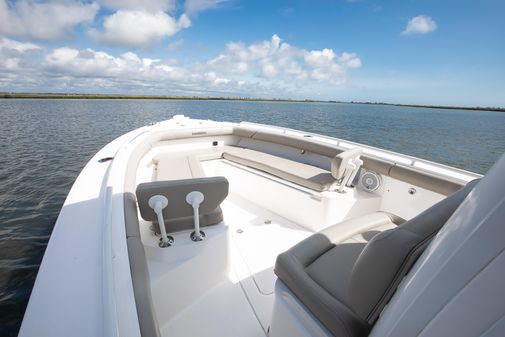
[291, 318]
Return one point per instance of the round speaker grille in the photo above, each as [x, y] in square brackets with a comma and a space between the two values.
[370, 181]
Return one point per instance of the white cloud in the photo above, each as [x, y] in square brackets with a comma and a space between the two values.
[275, 59]
[80, 63]
[147, 5]
[19, 47]
[194, 6]
[44, 21]
[132, 23]
[420, 24]
[128, 72]
[12, 53]
[320, 58]
[126, 67]
[134, 28]
[263, 69]
[350, 60]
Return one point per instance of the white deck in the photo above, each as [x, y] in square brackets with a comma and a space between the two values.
[224, 285]
[193, 298]
[242, 301]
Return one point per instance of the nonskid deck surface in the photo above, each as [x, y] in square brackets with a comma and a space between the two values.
[240, 303]
[258, 236]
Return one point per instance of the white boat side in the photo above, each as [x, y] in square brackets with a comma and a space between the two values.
[76, 278]
[84, 285]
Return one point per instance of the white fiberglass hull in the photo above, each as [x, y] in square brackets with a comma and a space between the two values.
[84, 286]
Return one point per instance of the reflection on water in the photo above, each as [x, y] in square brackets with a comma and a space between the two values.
[45, 143]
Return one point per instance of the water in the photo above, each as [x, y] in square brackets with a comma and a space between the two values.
[44, 144]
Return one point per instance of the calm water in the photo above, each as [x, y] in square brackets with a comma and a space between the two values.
[44, 144]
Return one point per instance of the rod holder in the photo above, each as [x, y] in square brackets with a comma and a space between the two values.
[195, 198]
[158, 203]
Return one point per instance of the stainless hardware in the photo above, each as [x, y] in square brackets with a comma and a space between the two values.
[158, 203]
[195, 198]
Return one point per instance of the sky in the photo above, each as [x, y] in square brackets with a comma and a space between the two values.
[406, 51]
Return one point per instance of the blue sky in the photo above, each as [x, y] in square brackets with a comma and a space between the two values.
[422, 52]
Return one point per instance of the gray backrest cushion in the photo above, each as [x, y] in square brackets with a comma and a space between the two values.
[381, 166]
[296, 142]
[388, 257]
[243, 131]
[408, 174]
[214, 189]
[424, 179]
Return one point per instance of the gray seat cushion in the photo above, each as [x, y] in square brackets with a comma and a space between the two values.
[317, 270]
[301, 174]
[345, 283]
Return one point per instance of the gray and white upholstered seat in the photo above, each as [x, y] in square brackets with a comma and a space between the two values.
[346, 274]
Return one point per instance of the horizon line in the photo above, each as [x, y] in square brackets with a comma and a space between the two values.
[56, 95]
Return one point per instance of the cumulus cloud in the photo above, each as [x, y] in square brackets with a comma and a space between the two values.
[91, 63]
[277, 59]
[147, 5]
[16, 46]
[44, 21]
[129, 69]
[132, 23]
[420, 24]
[12, 53]
[129, 72]
[263, 69]
[136, 28]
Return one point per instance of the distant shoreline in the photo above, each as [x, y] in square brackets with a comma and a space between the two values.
[200, 98]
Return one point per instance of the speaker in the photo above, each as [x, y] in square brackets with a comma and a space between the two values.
[370, 181]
